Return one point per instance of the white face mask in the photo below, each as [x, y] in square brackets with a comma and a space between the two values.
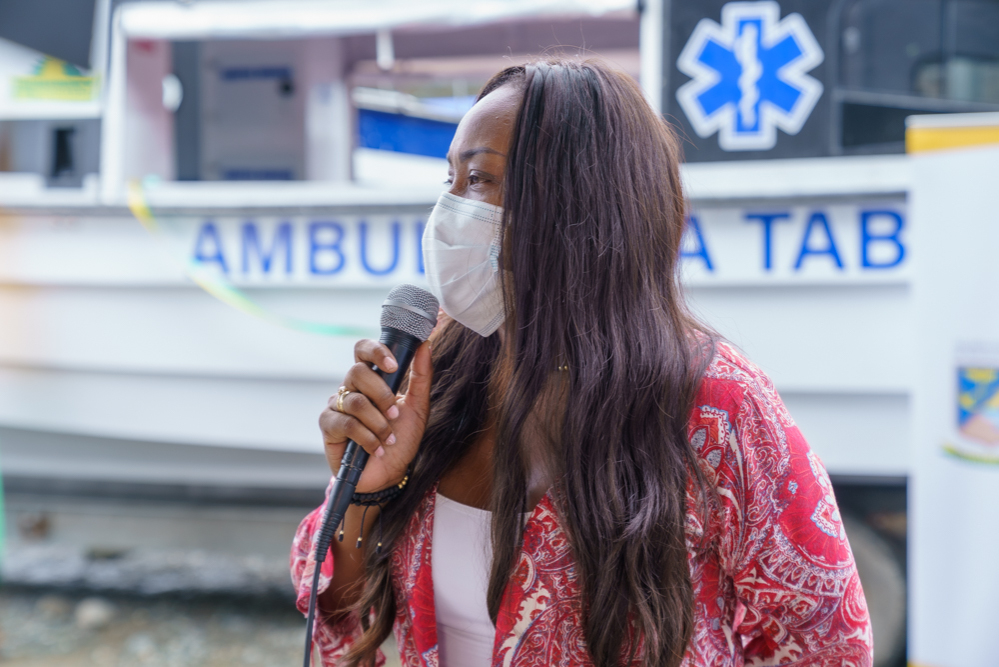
[461, 245]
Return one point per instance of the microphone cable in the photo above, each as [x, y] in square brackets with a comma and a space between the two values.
[409, 315]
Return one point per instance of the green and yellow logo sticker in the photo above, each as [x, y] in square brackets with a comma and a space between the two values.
[55, 79]
[977, 415]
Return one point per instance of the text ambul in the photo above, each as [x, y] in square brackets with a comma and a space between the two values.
[317, 248]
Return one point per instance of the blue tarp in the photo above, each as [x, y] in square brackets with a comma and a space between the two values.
[404, 134]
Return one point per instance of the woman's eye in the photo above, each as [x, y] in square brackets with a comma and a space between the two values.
[448, 181]
[473, 179]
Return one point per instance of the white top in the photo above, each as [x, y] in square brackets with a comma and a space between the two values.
[461, 555]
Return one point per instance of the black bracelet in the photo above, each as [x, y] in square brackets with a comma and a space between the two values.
[367, 500]
[379, 497]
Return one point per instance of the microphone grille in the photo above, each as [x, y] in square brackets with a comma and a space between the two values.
[411, 310]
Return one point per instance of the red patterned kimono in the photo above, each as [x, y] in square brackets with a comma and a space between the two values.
[774, 579]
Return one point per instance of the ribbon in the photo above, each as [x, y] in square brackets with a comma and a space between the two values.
[971, 457]
[225, 291]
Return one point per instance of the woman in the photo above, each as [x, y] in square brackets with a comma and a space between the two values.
[589, 476]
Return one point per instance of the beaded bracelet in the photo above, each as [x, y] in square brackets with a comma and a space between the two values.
[378, 497]
[367, 500]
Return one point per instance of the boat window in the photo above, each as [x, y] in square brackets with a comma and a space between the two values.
[903, 57]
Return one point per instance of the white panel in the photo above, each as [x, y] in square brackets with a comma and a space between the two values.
[953, 540]
[271, 414]
[812, 177]
[298, 18]
[373, 167]
[297, 194]
[831, 339]
[73, 457]
[855, 434]
[80, 248]
[181, 331]
[651, 47]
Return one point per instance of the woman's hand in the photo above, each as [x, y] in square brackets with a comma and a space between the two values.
[387, 426]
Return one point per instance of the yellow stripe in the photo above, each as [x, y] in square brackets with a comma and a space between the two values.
[140, 209]
[952, 450]
[924, 139]
[227, 293]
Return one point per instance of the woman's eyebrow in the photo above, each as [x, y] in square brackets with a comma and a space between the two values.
[464, 156]
[471, 152]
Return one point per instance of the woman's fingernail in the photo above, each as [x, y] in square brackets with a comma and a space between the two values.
[390, 440]
[389, 364]
[380, 452]
[393, 412]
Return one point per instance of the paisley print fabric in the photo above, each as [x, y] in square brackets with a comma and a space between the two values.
[774, 578]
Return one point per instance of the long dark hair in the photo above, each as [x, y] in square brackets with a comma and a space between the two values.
[593, 215]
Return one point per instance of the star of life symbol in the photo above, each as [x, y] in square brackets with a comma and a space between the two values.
[749, 75]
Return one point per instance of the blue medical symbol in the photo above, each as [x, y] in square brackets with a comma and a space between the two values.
[749, 75]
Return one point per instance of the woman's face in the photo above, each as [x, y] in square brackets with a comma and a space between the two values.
[477, 159]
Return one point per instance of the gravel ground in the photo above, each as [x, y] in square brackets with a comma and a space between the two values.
[41, 628]
[95, 581]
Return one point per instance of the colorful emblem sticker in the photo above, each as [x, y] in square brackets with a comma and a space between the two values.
[977, 411]
[55, 80]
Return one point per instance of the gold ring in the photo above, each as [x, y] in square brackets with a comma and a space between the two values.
[340, 395]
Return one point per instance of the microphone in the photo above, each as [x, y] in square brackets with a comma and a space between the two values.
[409, 314]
